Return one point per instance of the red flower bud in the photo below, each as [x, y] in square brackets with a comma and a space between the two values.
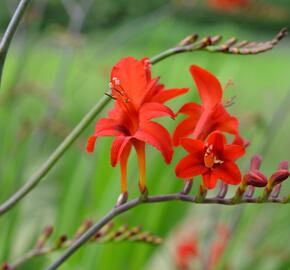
[283, 165]
[279, 176]
[5, 266]
[256, 161]
[255, 178]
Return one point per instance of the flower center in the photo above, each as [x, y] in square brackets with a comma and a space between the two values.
[210, 159]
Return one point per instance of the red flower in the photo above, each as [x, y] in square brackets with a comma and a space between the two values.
[208, 117]
[139, 98]
[185, 252]
[213, 160]
[228, 5]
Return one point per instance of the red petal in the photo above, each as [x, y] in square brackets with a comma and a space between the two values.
[209, 179]
[153, 109]
[233, 152]
[117, 148]
[109, 127]
[91, 144]
[189, 167]
[166, 95]
[223, 121]
[191, 109]
[183, 129]
[133, 78]
[217, 139]
[228, 172]
[195, 147]
[208, 86]
[156, 135]
[238, 140]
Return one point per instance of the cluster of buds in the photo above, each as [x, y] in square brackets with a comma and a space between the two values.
[107, 234]
[254, 178]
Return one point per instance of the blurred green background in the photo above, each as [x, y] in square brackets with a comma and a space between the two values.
[58, 68]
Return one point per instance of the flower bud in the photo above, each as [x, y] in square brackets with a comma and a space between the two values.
[83, 228]
[5, 266]
[283, 165]
[256, 161]
[255, 178]
[47, 231]
[278, 177]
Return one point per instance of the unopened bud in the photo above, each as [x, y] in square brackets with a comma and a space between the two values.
[61, 240]
[47, 231]
[255, 178]
[278, 177]
[188, 40]
[283, 165]
[83, 228]
[256, 161]
[5, 266]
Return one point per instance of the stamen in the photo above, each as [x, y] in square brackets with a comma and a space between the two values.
[209, 157]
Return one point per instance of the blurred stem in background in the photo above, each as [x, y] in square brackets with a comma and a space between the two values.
[10, 31]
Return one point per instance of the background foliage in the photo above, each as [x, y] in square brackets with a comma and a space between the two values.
[53, 76]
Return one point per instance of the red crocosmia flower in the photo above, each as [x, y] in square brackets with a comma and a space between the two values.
[213, 160]
[185, 252]
[139, 98]
[228, 5]
[208, 117]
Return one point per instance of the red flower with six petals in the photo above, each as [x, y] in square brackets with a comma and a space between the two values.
[213, 160]
[208, 117]
[139, 98]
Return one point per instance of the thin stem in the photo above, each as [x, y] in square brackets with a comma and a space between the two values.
[55, 156]
[10, 31]
[134, 203]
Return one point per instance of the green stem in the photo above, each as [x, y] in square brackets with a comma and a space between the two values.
[10, 31]
[55, 156]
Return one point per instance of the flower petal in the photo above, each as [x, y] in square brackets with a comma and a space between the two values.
[194, 147]
[217, 139]
[222, 120]
[183, 129]
[156, 135]
[233, 152]
[109, 127]
[166, 95]
[191, 109]
[117, 148]
[228, 172]
[153, 109]
[132, 76]
[91, 144]
[209, 179]
[190, 166]
[208, 86]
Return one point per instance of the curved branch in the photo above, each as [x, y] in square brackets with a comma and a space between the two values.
[10, 31]
[55, 156]
[150, 199]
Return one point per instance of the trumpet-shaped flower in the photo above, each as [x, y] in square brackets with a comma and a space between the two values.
[139, 98]
[208, 117]
[212, 159]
